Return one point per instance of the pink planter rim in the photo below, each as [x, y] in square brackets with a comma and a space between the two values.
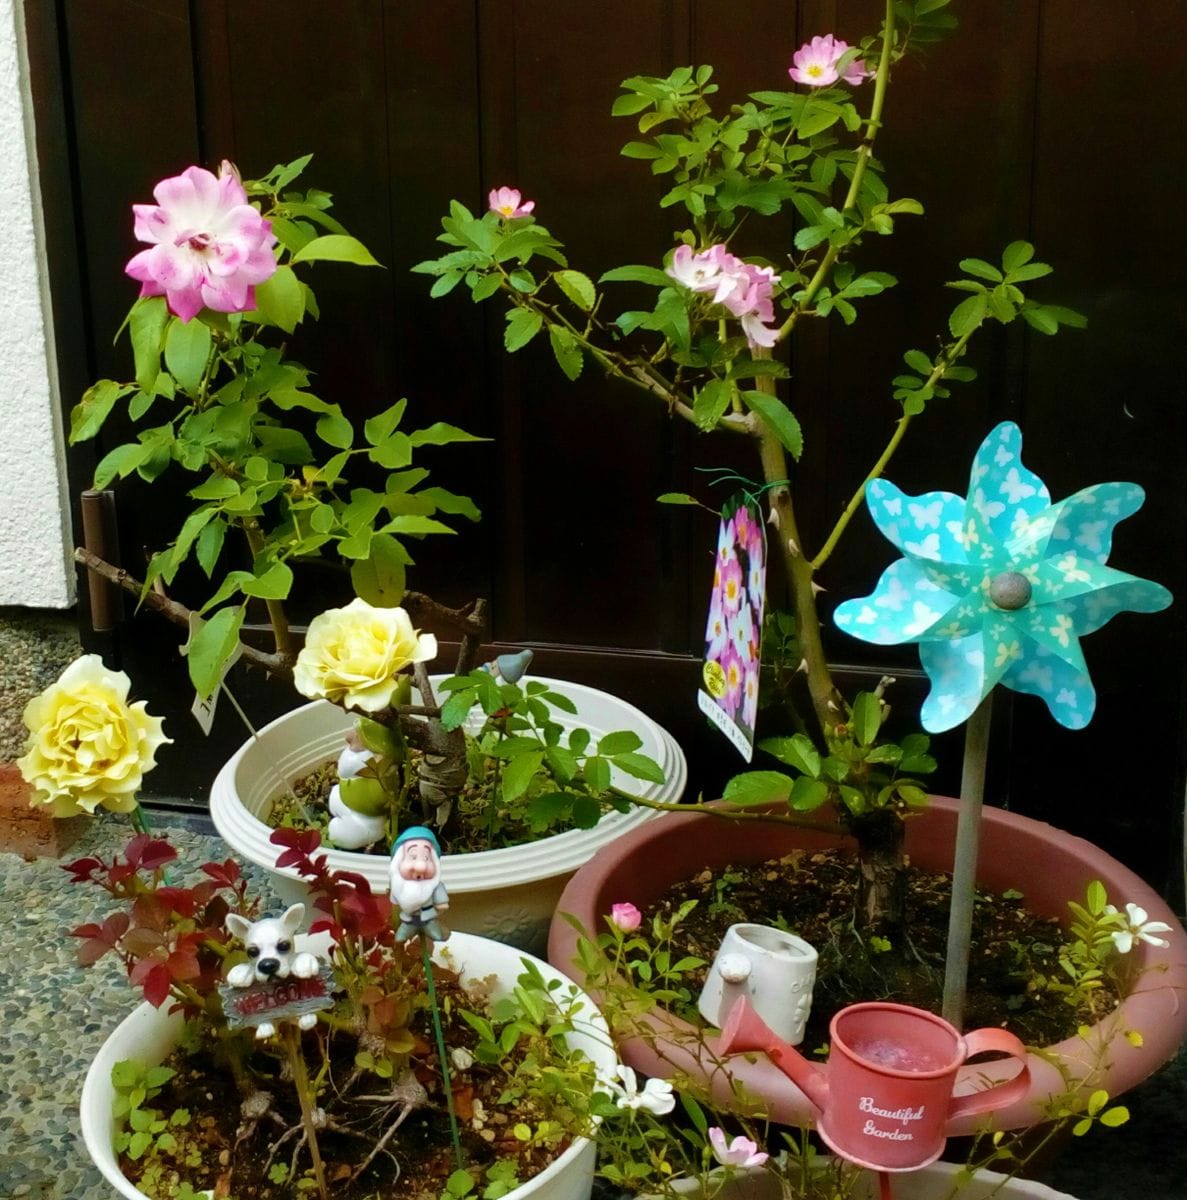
[1046, 864]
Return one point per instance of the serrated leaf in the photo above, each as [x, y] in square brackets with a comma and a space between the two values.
[280, 299]
[87, 417]
[780, 419]
[578, 287]
[619, 742]
[981, 269]
[808, 794]
[146, 327]
[597, 773]
[211, 647]
[639, 766]
[758, 787]
[710, 403]
[636, 274]
[796, 751]
[968, 314]
[566, 350]
[1016, 254]
[522, 325]
[187, 347]
[380, 578]
[336, 247]
[1030, 271]
[518, 773]
[866, 718]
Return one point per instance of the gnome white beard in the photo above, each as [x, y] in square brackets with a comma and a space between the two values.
[413, 894]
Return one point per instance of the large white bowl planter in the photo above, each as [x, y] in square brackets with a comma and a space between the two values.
[510, 894]
[149, 1035]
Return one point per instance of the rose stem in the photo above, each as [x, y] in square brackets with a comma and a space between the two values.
[292, 1044]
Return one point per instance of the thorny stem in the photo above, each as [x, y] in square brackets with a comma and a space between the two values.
[281, 634]
[727, 814]
[292, 1045]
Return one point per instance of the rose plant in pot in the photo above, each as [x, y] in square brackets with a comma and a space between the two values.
[996, 588]
[273, 475]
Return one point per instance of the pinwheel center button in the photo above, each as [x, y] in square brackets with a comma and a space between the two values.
[1010, 590]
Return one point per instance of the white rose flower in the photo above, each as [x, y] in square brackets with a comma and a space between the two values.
[353, 655]
[88, 747]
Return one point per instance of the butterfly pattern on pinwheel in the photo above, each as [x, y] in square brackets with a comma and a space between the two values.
[999, 586]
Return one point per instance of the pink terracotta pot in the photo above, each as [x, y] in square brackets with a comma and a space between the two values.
[1048, 866]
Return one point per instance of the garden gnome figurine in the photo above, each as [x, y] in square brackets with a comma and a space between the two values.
[416, 887]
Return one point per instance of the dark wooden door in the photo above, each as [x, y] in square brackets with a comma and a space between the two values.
[1042, 119]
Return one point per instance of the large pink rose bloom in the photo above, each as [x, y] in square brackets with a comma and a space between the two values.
[209, 247]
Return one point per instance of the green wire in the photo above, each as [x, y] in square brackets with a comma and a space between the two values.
[453, 1130]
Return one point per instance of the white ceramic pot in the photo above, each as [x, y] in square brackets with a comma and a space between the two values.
[149, 1035]
[509, 895]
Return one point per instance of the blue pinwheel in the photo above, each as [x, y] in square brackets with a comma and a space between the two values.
[1001, 586]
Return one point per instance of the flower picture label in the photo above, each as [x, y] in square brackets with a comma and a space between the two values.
[278, 999]
[733, 634]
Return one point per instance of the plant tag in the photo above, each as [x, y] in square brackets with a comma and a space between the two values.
[733, 634]
[278, 999]
[203, 709]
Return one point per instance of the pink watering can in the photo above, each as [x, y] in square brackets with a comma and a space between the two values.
[885, 1099]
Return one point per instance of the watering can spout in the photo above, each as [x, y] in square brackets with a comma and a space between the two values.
[744, 1030]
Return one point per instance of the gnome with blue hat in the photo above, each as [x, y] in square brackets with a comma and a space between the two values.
[416, 887]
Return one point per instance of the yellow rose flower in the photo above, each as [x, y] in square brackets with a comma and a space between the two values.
[88, 747]
[353, 655]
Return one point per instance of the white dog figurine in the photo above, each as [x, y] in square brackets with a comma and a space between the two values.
[269, 945]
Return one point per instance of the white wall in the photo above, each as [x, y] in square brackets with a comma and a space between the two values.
[35, 534]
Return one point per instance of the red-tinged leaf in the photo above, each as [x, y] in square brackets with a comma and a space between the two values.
[82, 870]
[214, 915]
[87, 931]
[182, 964]
[120, 872]
[360, 881]
[142, 942]
[305, 840]
[203, 891]
[91, 951]
[326, 925]
[156, 854]
[150, 975]
[135, 848]
[225, 874]
[180, 900]
[150, 911]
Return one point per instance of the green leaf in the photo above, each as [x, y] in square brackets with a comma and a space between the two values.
[440, 433]
[1030, 271]
[146, 325]
[210, 648]
[1016, 254]
[637, 274]
[379, 428]
[210, 545]
[380, 577]
[522, 325]
[517, 774]
[642, 150]
[187, 347]
[336, 247]
[807, 795]
[968, 314]
[1117, 1115]
[980, 268]
[448, 502]
[566, 350]
[918, 361]
[780, 419]
[710, 403]
[866, 718]
[796, 751]
[87, 417]
[280, 299]
[335, 430]
[597, 773]
[273, 584]
[121, 461]
[677, 498]
[578, 287]
[758, 787]
[619, 742]
[639, 766]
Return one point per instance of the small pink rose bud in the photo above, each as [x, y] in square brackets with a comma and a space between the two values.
[625, 917]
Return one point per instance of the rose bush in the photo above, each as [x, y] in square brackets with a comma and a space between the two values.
[88, 747]
[353, 655]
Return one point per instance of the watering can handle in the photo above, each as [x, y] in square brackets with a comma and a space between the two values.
[1003, 1094]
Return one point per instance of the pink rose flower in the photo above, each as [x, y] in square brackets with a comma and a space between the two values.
[741, 1152]
[209, 247]
[735, 675]
[625, 917]
[750, 698]
[731, 586]
[509, 203]
[741, 287]
[815, 63]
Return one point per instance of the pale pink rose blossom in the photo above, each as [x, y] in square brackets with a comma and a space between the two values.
[741, 1152]
[625, 917]
[741, 287]
[209, 246]
[815, 63]
[509, 203]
